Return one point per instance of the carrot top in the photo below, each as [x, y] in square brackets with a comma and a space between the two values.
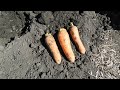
[71, 23]
[47, 34]
[62, 29]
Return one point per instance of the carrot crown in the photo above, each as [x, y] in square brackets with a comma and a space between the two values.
[62, 29]
[71, 23]
[47, 34]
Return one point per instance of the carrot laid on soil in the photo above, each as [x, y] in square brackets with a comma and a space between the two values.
[76, 38]
[51, 43]
[64, 40]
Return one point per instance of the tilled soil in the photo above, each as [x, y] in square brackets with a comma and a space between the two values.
[24, 54]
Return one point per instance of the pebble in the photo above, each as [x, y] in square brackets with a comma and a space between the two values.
[38, 64]
[47, 16]
[41, 48]
[93, 49]
[43, 75]
[59, 68]
[13, 27]
[78, 62]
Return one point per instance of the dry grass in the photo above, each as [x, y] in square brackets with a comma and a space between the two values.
[107, 60]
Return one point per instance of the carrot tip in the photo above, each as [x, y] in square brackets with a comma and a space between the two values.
[73, 61]
[83, 52]
[58, 62]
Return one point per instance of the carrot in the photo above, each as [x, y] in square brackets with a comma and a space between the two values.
[76, 38]
[64, 40]
[51, 43]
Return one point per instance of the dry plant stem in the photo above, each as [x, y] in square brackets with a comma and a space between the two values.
[106, 59]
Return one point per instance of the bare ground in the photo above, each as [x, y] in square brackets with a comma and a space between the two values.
[24, 54]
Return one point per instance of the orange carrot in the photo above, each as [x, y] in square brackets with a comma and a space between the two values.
[76, 38]
[51, 43]
[64, 40]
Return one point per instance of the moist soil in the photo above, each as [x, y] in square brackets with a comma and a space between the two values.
[24, 54]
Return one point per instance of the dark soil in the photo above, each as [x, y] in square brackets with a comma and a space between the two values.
[24, 54]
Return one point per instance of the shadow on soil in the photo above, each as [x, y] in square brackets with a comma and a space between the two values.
[114, 18]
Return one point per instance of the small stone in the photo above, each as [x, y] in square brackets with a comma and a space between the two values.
[93, 49]
[67, 75]
[78, 62]
[38, 27]
[43, 75]
[36, 77]
[13, 28]
[47, 16]
[32, 14]
[37, 12]
[94, 36]
[41, 48]
[38, 64]
[59, 68]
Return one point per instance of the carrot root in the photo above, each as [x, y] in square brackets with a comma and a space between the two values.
[76, 38]
[51, 43]
[64, 41]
